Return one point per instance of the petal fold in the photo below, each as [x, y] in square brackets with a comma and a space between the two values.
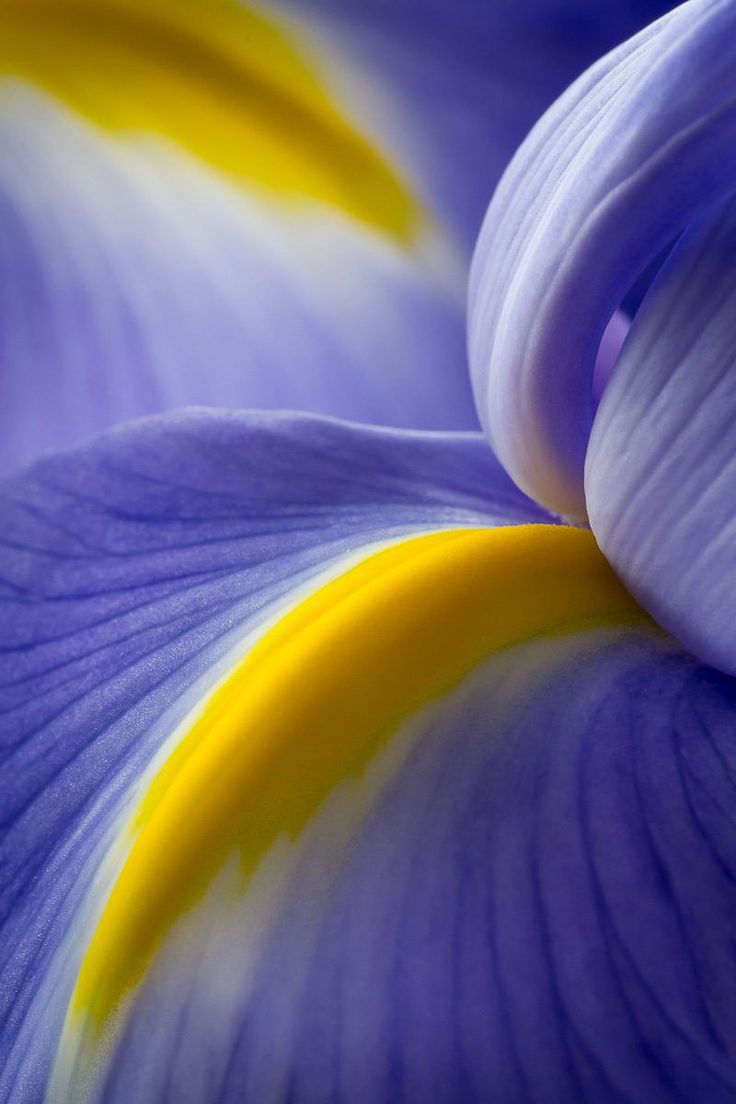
[623, 162]
[660, 479]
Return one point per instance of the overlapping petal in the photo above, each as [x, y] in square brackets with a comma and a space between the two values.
[660, 466]
[318, 784]
[623, 162]
[332, 768]
[472, 78]
[266, 207]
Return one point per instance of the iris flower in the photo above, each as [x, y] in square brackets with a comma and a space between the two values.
[262, 206]
[372, 765]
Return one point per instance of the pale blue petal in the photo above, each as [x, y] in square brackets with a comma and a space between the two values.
[134, 281]
[538, 910]
[624, 160]
[661, 467]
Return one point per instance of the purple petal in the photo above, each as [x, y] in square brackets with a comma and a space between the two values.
[129, 570]
[134, 281]
[660, 472]
[471, 78]
[137, 277]
[616, 169]
[540, 907]
[612, 342]
[528, 894]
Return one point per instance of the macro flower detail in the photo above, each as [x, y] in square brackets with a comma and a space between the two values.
[573, 224]
[654, 118]
[336, 767]
[256, 205]
[268, 831]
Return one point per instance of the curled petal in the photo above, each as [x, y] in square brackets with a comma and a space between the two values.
[612, 342]
[661, 467]
[617, 168]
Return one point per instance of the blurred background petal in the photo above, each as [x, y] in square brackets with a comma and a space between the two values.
[269, 206]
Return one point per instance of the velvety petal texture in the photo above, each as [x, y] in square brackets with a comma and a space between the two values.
[265, 206]
[481, 913]
[630, 155]
[661, 466]
[333, 770]
[134, 573]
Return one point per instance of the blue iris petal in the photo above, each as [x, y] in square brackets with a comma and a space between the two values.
[660, 476]
[633, 151]
[129, 569]
[135, 279]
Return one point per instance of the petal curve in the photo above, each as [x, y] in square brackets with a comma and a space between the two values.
[129, 572]
[660, 477]
[271, 205]
[526, 891]
[573, 224]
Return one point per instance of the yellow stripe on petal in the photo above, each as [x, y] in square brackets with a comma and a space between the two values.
[314, 702]
[219, 79]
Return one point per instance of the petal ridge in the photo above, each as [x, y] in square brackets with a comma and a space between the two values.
[573, 224]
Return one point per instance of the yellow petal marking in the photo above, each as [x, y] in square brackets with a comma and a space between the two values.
[219, 79]
[316, 699]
